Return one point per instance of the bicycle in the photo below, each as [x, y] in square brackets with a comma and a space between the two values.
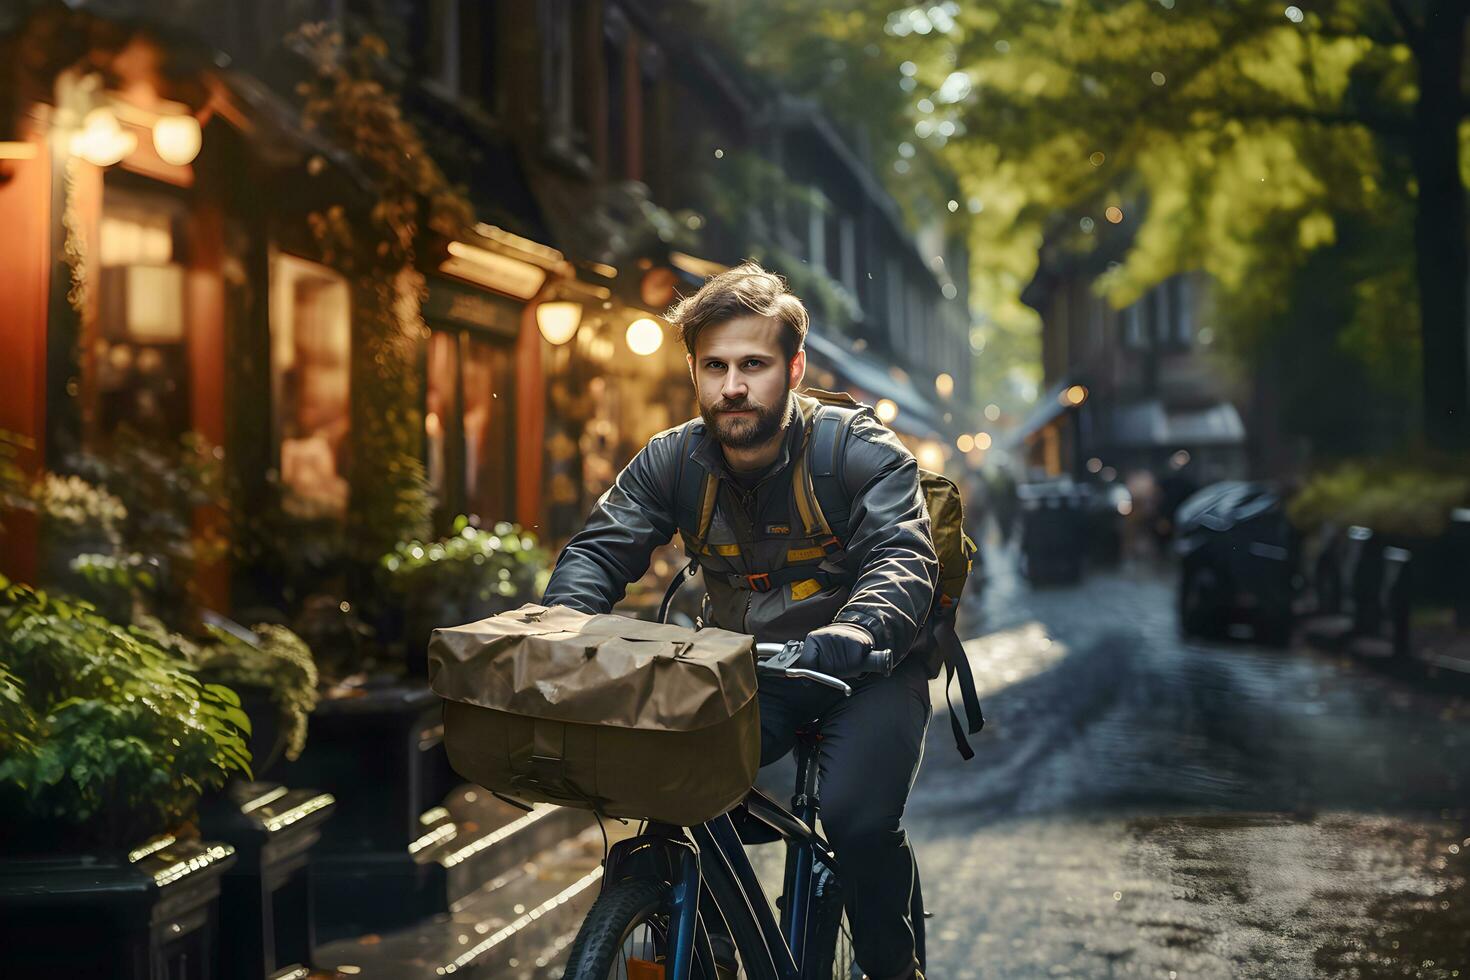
[685, 904]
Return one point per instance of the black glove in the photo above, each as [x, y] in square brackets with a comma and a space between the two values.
[840, 650]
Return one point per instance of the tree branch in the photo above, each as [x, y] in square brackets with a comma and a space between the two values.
[1413, 33]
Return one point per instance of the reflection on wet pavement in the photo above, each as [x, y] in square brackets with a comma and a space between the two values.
[1143, 806]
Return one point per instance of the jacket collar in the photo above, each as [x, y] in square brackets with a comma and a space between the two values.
[707, 452]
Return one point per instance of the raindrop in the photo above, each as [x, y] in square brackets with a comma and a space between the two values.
[953, 206]
[923, 129]
[949, 290]
[1002, 46]
[925, 106]
[946, 129]
[1294, 14]
[907, 84]
[975, 205]
[908, 68]
[1097, 158]
[901, 166]
[906, 149]
[719, 154]
[1087, 225]
[1117, 896]
[1158, 78]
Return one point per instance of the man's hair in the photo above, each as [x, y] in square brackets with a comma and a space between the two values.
[746, 290]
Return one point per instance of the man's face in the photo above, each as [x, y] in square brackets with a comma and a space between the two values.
[743, 380]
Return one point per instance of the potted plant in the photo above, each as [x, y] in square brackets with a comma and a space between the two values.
[109, 742]
[468, 575]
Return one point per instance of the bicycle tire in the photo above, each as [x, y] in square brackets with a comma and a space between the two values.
[618, 911]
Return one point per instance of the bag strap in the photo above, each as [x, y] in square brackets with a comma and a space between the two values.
[830, 426]
[957, 664]
[695, 489]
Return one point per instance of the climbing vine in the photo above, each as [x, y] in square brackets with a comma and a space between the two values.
[381, 197]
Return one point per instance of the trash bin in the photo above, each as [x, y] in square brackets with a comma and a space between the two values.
[1053, 531]
[1237, 554]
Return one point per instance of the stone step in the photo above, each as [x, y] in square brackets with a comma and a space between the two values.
[475, 838]
[518, 924]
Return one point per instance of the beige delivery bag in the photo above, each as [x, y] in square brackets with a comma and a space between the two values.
[625, 717]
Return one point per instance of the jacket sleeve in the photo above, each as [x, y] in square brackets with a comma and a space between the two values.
[888, 539]
[630, 520]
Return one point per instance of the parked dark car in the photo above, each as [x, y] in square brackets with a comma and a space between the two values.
[1237, 555]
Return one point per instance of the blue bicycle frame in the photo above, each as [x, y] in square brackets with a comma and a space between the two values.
[710, 860]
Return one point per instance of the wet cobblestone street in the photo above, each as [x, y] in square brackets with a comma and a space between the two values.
[1144, 806]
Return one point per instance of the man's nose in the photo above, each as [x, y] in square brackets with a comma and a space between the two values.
[734, 386]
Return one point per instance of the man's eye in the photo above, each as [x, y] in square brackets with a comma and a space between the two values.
[754, 364]
[716, 365]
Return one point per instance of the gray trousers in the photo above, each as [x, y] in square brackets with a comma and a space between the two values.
[868, 757]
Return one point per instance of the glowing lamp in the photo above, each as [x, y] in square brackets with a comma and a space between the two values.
[558, 321]
[931, 457]
[644, 336]
[1075, 395]
[944, 384]
[982, 440]
[102, 141]
[177, 139]
[886, 409]
[965, 443]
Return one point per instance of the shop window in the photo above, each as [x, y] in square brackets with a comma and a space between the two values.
[489, 435]
[139, 371]
[310, 378]
[443, 443]
[564, 82]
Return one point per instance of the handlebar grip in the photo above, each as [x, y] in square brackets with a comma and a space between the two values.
[879, 662]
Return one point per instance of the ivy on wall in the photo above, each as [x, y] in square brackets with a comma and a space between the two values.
[370, 233]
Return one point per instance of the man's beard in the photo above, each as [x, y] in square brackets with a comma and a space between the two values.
[745, 431]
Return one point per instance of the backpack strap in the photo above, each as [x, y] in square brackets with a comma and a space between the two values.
[957, 664]
[830, 426]
[694, 509]
[695, 489]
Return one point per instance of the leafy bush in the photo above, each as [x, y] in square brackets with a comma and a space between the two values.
[1410, 500]
[471, 568]
[277, 659]
[112, 739]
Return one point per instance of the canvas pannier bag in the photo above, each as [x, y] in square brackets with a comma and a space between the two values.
[625, 717]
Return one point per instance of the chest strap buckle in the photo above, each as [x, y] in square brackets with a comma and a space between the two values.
[759, 582]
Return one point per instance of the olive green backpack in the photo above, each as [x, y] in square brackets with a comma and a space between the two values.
[938, 644]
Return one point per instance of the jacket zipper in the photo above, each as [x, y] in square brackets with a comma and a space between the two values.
[747, 497]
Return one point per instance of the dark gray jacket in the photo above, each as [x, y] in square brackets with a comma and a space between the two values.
[889, 555]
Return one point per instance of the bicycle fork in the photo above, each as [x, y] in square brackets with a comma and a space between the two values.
[797, 889]
[667, 854]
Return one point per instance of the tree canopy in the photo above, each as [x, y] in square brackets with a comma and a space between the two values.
[1256, 141]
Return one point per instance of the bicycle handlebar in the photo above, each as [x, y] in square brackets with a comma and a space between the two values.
[781, 659]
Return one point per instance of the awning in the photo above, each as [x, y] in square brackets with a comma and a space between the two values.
[1149, 425]
[1048, 409]
[917, 415]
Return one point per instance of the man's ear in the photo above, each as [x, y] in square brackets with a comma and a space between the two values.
[797, 369]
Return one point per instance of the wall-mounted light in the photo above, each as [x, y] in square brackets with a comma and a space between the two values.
[493, 270]
[644, 336]
[944, 384]
[177, 139]
[558, 320]
[886, 409]
[1075, 395]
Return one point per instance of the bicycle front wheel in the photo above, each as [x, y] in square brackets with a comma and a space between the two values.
[627, 926]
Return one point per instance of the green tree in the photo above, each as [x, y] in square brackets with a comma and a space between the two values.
[1241, 137]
